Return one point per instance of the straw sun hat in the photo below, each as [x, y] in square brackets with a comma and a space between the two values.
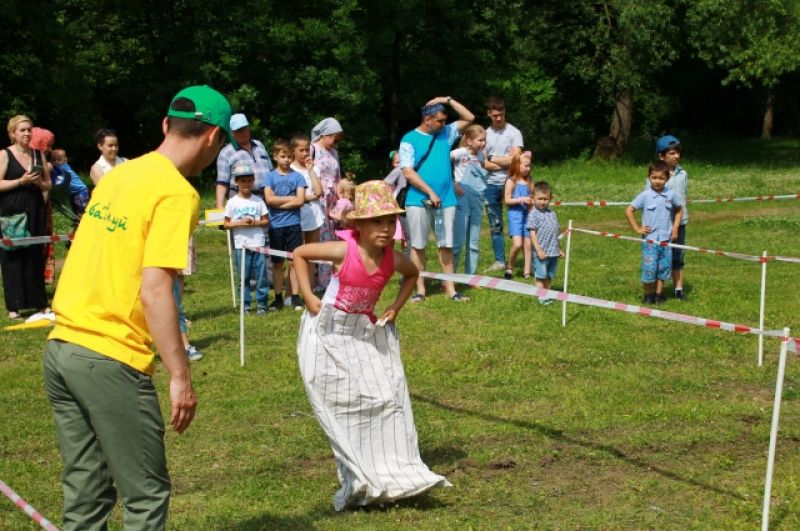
[373, 200]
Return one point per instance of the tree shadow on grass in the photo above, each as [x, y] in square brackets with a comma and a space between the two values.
[423, 502]
[267, 521]
[442, 455]
[206, 341]
[216, 311]
[559, 435]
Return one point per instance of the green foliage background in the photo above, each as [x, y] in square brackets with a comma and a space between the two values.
[77, 65]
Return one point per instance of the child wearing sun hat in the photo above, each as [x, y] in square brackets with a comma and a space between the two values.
[344, 342]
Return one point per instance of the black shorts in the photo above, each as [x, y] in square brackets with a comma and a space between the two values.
[284, 239]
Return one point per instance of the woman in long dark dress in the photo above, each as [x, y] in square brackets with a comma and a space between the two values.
[23, 178]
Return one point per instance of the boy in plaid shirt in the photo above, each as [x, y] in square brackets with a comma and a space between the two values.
[544, 230]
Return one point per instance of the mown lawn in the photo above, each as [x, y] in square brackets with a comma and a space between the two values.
[616, 421]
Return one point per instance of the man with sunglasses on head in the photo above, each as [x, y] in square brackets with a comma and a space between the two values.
[431, 199]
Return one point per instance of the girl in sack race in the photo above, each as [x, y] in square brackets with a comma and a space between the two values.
[350, 359]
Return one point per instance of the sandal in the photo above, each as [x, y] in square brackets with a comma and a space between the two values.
[459, 297]
[14, 316]
[417, 297]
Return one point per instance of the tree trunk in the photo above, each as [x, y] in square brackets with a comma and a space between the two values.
[613, 145]
[769, 116]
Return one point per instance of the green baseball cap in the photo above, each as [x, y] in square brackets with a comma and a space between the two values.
[211, 108]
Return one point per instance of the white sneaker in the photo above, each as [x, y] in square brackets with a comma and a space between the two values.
[193, 354]
[497, 266]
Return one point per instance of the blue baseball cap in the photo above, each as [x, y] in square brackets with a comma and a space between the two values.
[667, 142]
[239, 121]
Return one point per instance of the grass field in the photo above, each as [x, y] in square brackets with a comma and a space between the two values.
[617, 421]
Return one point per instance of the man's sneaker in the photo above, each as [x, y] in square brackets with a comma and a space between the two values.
[497, 266]
[262, 310]
[193, 354]
[680, 295]
[277, 304]
[297, 303]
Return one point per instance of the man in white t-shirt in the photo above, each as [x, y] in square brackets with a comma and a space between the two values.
[503, 141]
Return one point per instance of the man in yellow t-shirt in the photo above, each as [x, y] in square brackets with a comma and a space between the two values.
[113, 302]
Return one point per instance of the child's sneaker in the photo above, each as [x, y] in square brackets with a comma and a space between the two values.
[297, 303]
[660, 298]
[277, 304]
[680, 295]
[262, 310]
[509, 274]
[649, 298]
[193, 354]
[247, 310]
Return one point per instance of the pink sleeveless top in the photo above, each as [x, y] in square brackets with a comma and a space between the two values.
[352, 289]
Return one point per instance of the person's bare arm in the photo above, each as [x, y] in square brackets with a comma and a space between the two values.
[221, 195]
[676, 223]
[465, 115]
[95, 174]
[298, 200]
[316, 186]
[161, 315]
[501, 162]
[537, 247]
[285, 201]
[26, 178]
[633, 223]
[45, 184]
[410, 273]
[329, 251]
[413, 179]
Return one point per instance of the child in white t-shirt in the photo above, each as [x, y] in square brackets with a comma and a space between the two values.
[246, 215]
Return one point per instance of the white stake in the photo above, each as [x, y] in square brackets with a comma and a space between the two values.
[773, 433]
[761, 314]
[241, 309]
[230, 268]
[566, 273]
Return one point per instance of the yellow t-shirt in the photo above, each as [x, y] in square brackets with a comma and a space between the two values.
[140, 215]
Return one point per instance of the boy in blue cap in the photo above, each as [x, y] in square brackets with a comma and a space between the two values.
[668, 149]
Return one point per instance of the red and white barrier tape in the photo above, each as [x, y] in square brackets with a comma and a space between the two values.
[33, 240]
[26, 507]
[738, 256]
[526, 289]
[730, 199]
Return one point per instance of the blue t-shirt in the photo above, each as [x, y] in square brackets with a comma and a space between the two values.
[284, 186]
[435, 171]
[657, 209]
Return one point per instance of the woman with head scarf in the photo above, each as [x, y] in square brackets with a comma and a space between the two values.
[24, 177]
[324, 138]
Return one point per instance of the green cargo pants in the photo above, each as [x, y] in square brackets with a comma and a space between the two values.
[110, 432]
